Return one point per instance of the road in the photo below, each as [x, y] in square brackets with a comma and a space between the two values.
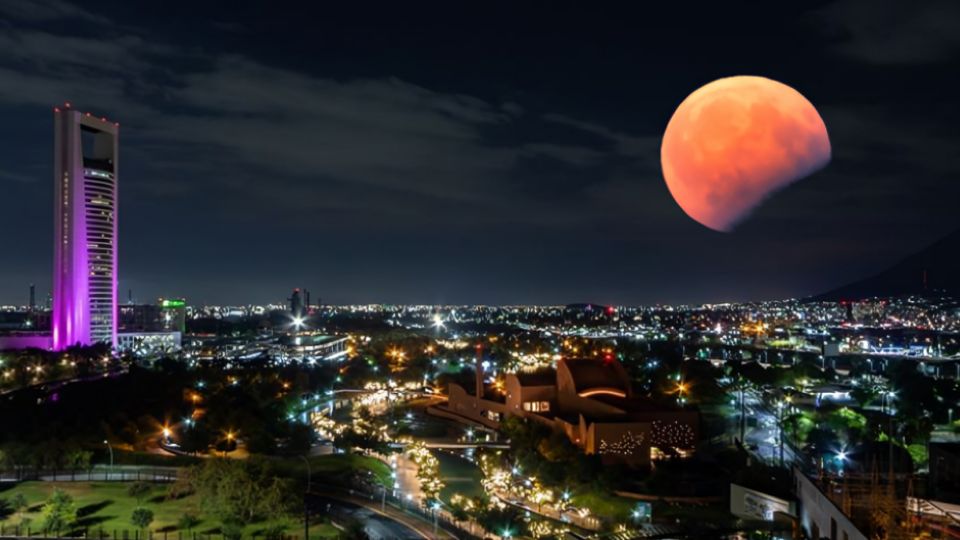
[765, 434]
[52, 386]
[378, 526]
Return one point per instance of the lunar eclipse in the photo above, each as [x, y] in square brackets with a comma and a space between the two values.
[734, 142]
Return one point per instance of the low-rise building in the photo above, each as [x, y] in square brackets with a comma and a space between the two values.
[592, 402]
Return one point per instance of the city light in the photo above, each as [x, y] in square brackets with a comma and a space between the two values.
[298, 323]
[372, 264]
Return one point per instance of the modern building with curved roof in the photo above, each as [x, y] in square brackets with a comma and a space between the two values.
[592, 402]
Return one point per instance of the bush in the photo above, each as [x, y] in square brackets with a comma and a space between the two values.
[59, 512]
[187, 522]
[141, 518]
[231, 529]
[6, 509]
[355, 530]
[19, 502]
[138, 490]
[274, 532]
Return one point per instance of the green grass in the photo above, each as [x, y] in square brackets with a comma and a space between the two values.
[619, 509]
[107, 506]
[340, 465]
[605, 504]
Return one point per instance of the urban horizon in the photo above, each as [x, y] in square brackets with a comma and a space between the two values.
[32, 287]
[532, 271]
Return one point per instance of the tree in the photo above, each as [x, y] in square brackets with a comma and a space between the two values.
[242, 491]
[138, 490]
[355, 530]
[182, 486]
[141, 518]
[274, 532]
[232, 529]
[299, 439]
[459, 513]
[499, 519]
[196, 438]
[59, 512]
[864, 394]
[188, 521]
[79, 459]
[6, 509]
[19, 504]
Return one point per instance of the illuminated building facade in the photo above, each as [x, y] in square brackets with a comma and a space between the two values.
[85, 229]
[167, 315]
[592, 402]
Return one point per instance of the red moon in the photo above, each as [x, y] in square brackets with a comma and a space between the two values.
[734, 142]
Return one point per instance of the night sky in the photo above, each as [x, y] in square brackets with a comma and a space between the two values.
[495, 153]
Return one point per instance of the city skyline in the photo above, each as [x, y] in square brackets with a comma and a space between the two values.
[499, 271]
[341, 166]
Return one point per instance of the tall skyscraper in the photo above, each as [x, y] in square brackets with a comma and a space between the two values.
[85, 252]
[296, 303]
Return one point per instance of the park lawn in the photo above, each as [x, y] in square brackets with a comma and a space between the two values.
[106, 505]
[605, 505]
[338, 465]
[337, 469]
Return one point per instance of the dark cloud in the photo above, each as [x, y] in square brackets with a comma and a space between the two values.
[49, 10]
[893, 33]
[512, 160]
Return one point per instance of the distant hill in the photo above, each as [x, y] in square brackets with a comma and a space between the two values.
[935, 268]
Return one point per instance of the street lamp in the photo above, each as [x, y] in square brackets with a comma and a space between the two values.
[110, 449]
[309, 473]
[842, 458]
[780, 406]
[230, 438]
[306, 507]
[681, 388]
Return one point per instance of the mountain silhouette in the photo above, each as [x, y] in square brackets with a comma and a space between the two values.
[933, 270]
